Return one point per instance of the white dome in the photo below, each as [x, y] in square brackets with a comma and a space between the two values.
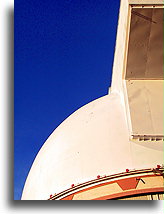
[92, 141]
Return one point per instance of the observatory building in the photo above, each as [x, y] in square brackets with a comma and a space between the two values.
[112, 148]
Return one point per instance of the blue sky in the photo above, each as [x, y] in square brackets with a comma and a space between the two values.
[64, 52]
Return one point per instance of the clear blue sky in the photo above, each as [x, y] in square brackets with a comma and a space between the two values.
[64, 53]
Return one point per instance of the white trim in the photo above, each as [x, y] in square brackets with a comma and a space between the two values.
[139, 2]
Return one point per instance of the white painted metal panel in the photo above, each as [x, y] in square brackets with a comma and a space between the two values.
[145, 99]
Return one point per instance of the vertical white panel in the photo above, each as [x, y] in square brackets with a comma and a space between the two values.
[144, 74]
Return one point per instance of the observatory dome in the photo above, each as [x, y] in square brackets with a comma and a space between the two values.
[112, 148]
[93, 141]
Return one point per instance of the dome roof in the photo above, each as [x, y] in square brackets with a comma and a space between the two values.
[93, 141]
